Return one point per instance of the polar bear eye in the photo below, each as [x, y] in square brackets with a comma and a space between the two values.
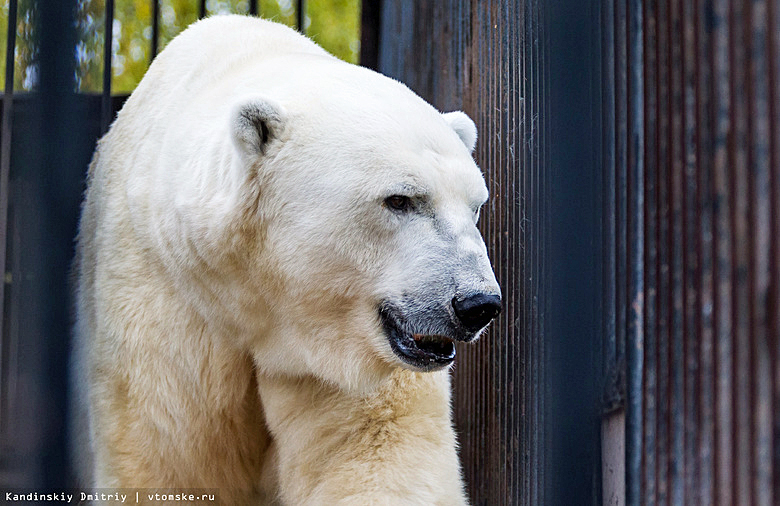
[400, 203]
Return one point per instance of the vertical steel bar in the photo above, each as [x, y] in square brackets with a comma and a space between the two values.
[663, 240]
[722, 237]
[300, 15]
[155, 27]
[370, 29]
[540, 476]
[651, 164]
[760, 261]
[107, 112]
[13, 310]
[575, 233]
[5, 172]
[621, 185]
[201, 9]
[741, 251]
[534, 250]
[706, 281]
[773, 302]
[60, 132]
[690, 292]
[517, 397]
[545, 221]
[523, 216]
[677, 462]
[635, 316]
[612, 394]
[253, 7]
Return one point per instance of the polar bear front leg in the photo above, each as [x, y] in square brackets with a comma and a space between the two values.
[395, 446]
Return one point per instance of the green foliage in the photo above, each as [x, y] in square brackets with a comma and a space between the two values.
[334, 24]
[26, 69]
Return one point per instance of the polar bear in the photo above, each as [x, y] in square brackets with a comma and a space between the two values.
[276, 253]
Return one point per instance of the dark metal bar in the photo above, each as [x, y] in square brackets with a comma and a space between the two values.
[61, 128]
[635, 225]
[773, 303]
[662, 239]
[575, 229]
[652, 397]
[705, 284]
[253, 7]
[12, 315]
[300, 15]
[676, 238]
[201, 9]
[537, 468]
[5, 171]
[155, 27]
[620, 211]
[691, 291]
[741, 251]
[613, 394]
[722, 238]
[759, 223]
[370, 29]
[612, 399]
[649, 365]
[107, 112]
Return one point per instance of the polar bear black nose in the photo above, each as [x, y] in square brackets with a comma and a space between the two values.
[476, 310]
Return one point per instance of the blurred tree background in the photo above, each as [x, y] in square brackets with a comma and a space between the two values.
[334, 24]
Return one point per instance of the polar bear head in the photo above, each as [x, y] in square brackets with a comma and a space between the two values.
[366, 253]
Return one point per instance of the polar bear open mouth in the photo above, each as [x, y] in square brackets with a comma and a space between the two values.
[422, 351]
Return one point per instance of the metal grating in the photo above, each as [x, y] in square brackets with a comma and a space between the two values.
[693, 109]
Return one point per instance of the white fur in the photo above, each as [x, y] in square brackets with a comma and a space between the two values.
[464, 127]
[233, 250]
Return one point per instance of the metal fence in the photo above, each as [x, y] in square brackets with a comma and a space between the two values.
[43, 152]
[693, 113]
[631, 147]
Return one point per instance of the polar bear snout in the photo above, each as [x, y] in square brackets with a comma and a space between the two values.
[476, 310]
[424, 338]
[425, 349]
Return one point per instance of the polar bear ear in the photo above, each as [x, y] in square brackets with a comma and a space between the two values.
[256, 122]
[463, 126]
